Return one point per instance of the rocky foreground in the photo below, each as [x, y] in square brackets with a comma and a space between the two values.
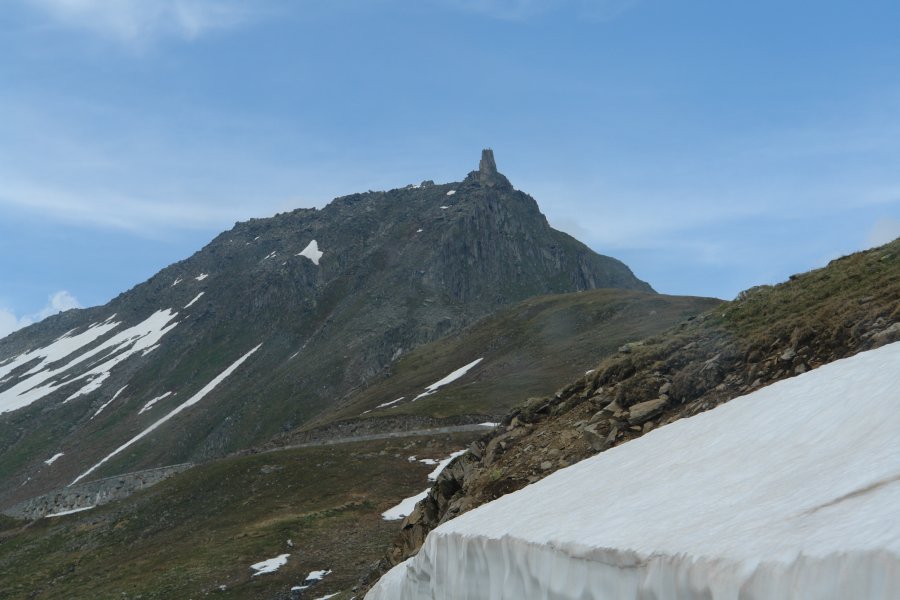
[764, 336]
[789, 491]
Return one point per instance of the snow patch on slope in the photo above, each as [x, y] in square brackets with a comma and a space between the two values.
[59, 349]
[313, 578]
[53, 458]
[150, 403]
[407, 505]
[70, 512]
[391, 403]
[191, 303]
[791, 491]
[186, 404]
[404, 508]
[112, 351]
[108, 402]
[448, 379]
[270, 565]
[312, 252]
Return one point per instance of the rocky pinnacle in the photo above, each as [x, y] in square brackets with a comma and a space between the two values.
[487, 167]
[487, 173]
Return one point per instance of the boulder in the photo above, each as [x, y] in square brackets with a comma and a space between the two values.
[644, 411]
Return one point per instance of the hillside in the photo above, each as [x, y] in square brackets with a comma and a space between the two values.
[272, 325]
[788, 492]
[521, 351]
[244, 507]
[766, 335]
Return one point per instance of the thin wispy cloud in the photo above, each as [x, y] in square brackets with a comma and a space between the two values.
[114, 211]
[139, 22]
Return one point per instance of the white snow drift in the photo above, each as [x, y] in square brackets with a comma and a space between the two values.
[789, 492]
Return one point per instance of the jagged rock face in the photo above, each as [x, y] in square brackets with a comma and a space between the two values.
[332, 296]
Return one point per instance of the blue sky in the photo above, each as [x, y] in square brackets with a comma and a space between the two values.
[710, 145]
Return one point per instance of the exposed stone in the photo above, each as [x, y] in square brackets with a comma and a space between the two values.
[594, 438]
[475, 449]
[487, 166]
[94, 493]
[611, 438]
[643, 411]
[890, 334]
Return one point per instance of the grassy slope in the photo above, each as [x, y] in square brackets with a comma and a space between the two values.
[528, 350]
[202, 529]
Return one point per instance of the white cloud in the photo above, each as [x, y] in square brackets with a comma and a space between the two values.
[9, 322]
[885, 230]
[113, 210]
[58, 302]
[138, 22]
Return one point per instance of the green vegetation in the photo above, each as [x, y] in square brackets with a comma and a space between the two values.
[202, 529]
[528, 350]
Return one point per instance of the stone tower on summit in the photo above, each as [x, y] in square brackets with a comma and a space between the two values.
[487, 166]
[487, 173]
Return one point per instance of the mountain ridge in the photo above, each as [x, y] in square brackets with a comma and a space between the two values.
[333, 295]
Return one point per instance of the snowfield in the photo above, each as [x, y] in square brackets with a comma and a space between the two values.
[789, 492]
[42, 379]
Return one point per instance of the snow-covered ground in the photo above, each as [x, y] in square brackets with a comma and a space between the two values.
[108, 402]
[42, 380]
[406, 506]
[311, 579]
[270, 565]
[448, 379]
[789, 492]
[312, 252]
[192, 302]
[69, 512]
[153, 401]
[53, 458]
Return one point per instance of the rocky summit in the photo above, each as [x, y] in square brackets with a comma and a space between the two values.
[272, 325]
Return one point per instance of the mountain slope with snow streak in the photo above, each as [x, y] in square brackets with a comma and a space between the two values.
[337, 294]
[790, 491]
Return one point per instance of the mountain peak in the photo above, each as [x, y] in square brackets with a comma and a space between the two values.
[488, 166]
[487, 173]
